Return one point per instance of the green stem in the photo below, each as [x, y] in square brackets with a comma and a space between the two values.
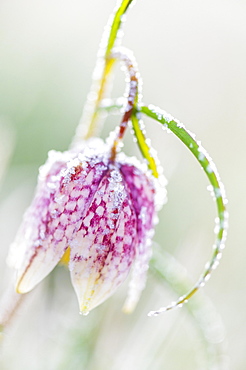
[217, 190]
[144, 145]
[117, 21]
[89, 123]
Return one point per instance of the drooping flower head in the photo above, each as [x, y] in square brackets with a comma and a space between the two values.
[98, 213]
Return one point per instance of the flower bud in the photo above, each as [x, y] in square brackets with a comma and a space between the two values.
[99, 213]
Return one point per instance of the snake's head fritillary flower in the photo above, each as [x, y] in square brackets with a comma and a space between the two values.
[100, 214]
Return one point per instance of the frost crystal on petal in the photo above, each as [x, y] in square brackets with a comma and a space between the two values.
[103, 212]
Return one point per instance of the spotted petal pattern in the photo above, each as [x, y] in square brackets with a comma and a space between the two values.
[102, 211]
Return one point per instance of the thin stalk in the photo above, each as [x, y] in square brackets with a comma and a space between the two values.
[217, 191]
[131, 112]
[143, 144]
[89, 123]
[132, 93]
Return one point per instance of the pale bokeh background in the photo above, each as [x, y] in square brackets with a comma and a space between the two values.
[192, 58]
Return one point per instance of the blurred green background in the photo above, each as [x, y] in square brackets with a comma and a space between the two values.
[192, 57]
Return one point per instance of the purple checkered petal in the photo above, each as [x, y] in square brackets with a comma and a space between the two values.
[65, 188]
[104, 248]
[103, 212]
[143, 193]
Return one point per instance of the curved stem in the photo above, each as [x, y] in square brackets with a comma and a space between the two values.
[88, 124]
[131, 110]
[116, 24]
[217, 190]
[127, 58]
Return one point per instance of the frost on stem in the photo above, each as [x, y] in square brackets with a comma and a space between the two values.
[132, 81]
[131, 107]
[91, 119]
[206, 162]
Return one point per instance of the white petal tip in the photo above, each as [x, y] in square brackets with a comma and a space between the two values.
[22, 288]
[19, 291]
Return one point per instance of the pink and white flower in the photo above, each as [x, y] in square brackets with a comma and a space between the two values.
[100, 211]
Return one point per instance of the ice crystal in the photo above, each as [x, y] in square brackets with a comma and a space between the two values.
[102, 212]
